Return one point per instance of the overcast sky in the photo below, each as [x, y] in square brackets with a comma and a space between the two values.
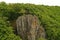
[45, 2]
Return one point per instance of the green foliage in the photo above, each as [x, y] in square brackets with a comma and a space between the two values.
[49, 17]
[41, 39]
[6, 32]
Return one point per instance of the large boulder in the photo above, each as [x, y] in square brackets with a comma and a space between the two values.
[29, 28]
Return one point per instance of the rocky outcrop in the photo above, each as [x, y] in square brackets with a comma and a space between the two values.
[29, 28]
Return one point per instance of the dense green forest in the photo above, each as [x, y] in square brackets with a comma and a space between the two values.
[49, 17]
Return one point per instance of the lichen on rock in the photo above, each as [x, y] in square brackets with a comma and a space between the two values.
[29, 28]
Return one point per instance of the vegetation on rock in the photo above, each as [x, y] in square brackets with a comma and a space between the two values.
[49, 16]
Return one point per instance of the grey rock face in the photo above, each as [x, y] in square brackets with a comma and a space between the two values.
[29, 28]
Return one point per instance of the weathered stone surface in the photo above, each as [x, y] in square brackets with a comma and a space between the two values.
[29, 28]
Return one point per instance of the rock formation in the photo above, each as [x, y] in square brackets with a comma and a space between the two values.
[29, 28]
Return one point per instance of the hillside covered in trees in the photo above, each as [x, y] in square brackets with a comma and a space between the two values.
[49, 17]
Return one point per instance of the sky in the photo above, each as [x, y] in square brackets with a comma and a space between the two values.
[37, 2]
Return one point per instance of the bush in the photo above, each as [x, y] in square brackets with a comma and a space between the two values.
[41, 39]
[6, 31]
